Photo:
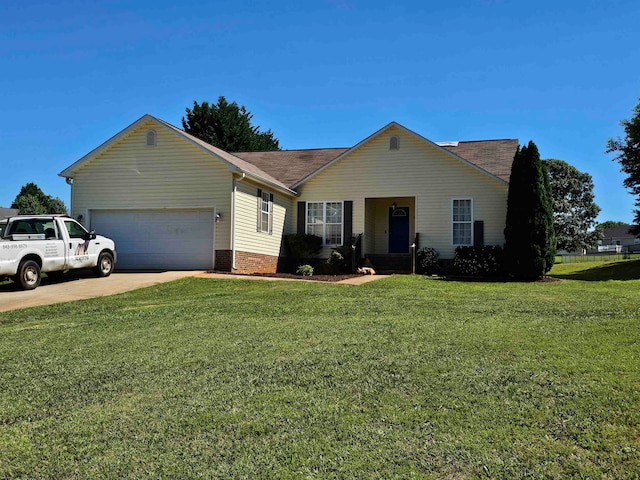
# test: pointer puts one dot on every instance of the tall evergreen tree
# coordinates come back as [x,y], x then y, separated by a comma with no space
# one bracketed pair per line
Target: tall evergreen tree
[227,126]
[529,235]
[629,159]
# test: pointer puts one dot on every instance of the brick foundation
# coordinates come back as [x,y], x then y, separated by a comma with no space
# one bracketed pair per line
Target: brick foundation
[255,263]
[246,262]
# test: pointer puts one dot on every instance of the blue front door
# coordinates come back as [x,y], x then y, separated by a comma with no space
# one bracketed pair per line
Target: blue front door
[399,230]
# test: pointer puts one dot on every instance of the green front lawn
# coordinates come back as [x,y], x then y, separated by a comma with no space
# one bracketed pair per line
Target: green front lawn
[405,377]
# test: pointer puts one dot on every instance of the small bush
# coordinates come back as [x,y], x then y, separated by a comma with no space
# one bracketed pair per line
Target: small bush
[301,245]
[335,262]
[428,261]
[339,260]
[480,261]
[305,270]
[301,249]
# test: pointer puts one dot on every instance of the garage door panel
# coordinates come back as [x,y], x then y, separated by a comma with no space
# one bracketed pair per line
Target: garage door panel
[153,239]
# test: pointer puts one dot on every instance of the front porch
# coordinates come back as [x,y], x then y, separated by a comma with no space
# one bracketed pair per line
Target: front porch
[389,238]
[389,263]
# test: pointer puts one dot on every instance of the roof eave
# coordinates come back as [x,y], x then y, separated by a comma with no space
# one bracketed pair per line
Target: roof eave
[265,181]
[232,168]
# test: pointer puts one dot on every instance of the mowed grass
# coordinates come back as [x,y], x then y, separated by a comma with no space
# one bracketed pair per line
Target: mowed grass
[405,377]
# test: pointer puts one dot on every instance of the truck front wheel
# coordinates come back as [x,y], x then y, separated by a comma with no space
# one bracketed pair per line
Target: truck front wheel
[105,265]
[28,276]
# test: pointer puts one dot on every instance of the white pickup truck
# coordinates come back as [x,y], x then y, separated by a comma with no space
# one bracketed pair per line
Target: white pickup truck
[30,244]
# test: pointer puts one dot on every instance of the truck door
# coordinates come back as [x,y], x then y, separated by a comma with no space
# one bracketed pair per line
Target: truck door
[53,251]
[77,246]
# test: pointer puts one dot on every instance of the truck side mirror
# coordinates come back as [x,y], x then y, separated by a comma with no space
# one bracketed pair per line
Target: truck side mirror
[91,235]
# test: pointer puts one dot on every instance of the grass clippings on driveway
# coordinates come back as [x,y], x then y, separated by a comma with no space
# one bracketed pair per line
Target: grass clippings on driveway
[405,377]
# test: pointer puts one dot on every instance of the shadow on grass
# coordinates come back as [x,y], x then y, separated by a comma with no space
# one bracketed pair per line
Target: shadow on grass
[626,270]
[496,279]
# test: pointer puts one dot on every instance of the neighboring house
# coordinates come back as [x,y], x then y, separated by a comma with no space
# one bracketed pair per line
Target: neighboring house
[619,239]
[8,212]
[172,201]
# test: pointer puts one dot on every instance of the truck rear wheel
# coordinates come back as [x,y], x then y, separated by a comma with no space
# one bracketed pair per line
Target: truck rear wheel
[105,265]
[28,276]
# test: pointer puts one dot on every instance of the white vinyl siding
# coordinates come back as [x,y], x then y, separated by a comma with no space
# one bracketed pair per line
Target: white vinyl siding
[325,220]
[247,239]
[462,222]
[174,175]
[418,170]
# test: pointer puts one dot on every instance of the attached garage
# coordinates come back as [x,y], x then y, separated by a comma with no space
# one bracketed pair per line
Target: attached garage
[159,239]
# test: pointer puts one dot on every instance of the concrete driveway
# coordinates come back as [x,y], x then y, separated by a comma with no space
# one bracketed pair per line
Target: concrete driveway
[79,287]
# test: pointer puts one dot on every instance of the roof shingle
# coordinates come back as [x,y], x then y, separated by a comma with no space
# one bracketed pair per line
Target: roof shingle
[291,166]
[494,156]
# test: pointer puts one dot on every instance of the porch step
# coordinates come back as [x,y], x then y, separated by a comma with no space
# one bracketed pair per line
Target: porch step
[391,263]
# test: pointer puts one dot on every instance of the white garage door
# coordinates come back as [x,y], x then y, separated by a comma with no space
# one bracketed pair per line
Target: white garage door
[159,239]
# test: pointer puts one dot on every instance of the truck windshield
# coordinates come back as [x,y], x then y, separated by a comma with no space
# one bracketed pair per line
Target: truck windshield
[3,225]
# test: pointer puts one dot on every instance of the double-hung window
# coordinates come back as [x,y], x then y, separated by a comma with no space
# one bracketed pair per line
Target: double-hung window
[265,211]
[324,219]
[462,221]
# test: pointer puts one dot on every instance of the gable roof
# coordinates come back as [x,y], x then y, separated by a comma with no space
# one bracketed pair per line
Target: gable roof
[498,168]
[235,164]
[618,232]
[287,169]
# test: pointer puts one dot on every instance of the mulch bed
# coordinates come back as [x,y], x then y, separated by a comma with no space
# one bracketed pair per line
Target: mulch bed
[317,278]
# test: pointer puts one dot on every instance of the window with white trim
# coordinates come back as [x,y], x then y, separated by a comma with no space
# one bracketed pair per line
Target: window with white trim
[265,211]
[462,221]
[324,219]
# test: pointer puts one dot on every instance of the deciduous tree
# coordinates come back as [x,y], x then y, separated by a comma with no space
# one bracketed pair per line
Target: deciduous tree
[574,208]
[611,224]
[33,201]
[227,126]
[628,155]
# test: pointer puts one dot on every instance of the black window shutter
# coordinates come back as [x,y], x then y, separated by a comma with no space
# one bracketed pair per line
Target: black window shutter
[348,222]
[270,213]
[302,217]
[259,215]
[478,233]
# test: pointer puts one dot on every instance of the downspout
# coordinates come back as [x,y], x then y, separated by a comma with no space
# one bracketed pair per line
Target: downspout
[69,181]
[233,220]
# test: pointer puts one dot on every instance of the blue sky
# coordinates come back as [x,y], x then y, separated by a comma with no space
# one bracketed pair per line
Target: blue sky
[320,74]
